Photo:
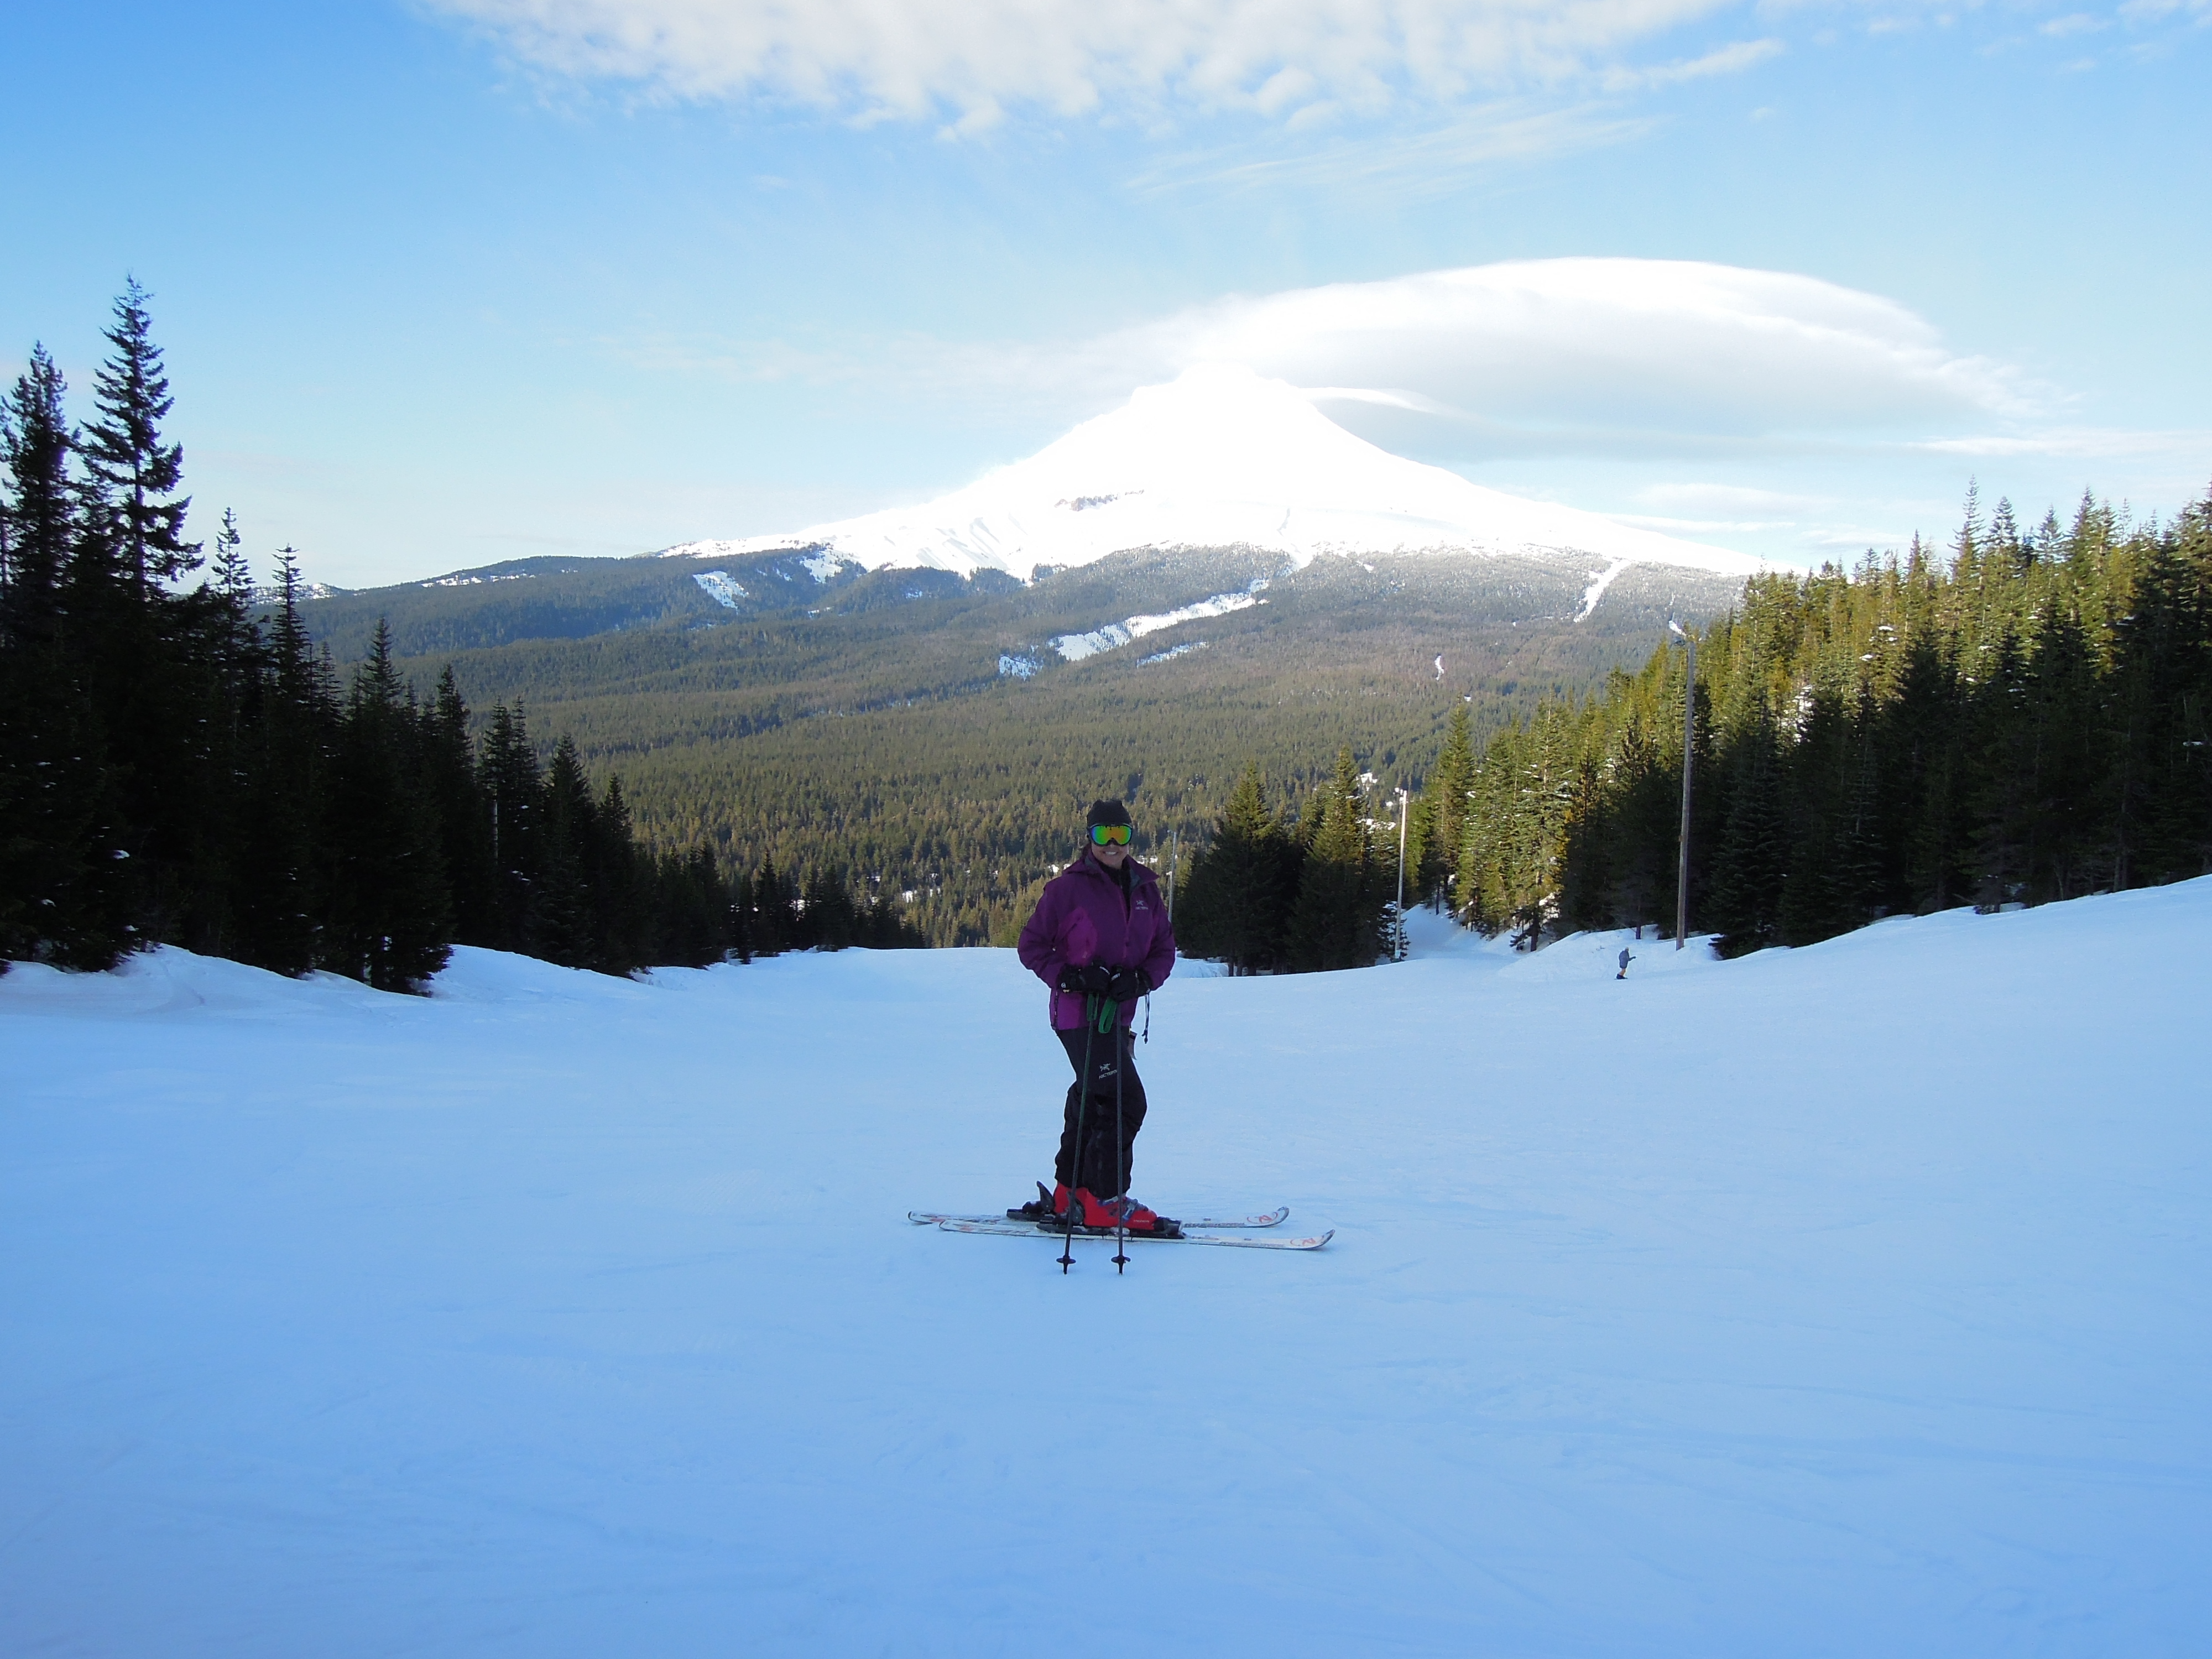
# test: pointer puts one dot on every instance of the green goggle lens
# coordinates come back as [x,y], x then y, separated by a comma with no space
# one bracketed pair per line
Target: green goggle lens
[1109,834]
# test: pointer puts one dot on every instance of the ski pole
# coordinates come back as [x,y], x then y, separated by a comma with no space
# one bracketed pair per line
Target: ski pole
[1123,1053]
[1075,1159]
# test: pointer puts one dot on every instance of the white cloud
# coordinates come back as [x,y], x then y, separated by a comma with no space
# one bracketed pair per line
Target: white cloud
[918,58]
[1728,60]
[1399,167]
[2084,443]
[1602,345]
[1588,356]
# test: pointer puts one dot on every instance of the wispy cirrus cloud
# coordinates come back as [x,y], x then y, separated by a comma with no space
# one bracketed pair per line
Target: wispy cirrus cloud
[1397,165]
[922,59]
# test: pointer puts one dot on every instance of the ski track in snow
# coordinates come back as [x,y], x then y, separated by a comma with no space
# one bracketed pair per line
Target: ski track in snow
[1851,1300]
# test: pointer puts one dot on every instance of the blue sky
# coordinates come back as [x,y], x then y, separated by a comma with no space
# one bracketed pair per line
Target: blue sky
[444,283]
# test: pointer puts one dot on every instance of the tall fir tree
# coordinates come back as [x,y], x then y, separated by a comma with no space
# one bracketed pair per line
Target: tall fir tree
[1445,802]
[389,923]
[1338,920]
[138,471]
[1235,903]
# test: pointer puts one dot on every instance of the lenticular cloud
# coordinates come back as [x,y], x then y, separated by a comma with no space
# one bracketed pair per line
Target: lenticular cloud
[1597,342]
[916,57]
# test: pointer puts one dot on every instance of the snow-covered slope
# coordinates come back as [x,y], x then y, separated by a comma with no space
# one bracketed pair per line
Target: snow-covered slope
[1220,458]
[1847,1301]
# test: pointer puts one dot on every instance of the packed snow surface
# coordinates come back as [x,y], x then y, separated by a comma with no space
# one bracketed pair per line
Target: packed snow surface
[1220,458]
[1845,1301]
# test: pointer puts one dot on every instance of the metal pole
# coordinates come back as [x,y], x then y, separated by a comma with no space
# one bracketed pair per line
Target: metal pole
[1175,858]
[1399,954]
[1689,755]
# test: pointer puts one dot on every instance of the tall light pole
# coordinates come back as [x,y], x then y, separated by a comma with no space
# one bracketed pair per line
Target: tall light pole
[1399,954]
[1689,750]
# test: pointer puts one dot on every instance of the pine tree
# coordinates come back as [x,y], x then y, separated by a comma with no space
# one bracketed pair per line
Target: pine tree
[1745,908]
[388,922]
[565,902]
[125,452]
[285,756]
[464,815]
[65,896]
[1337,920]
[508,771]
[1235,904]
[1446,800]
[38,519]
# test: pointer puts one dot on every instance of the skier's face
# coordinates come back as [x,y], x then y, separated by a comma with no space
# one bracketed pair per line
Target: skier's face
[1109,853]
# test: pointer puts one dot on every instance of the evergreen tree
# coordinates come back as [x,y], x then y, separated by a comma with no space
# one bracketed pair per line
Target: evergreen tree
[1338,921]
[64,892]
[389,922]
[285,757]
[463,813]
[137,472]
[1745,908]
[38,519]
[1446,799]
[775,912]
[512,785]
[563,931]
[1235,905]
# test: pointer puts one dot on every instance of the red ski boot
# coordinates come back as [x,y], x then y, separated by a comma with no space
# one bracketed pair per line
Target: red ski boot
[1107,1214]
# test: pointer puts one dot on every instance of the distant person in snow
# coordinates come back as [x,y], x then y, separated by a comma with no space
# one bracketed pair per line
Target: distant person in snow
[1624,960]
[1100,939]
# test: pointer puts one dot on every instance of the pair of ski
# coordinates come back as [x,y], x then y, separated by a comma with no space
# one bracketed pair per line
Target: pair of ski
[1223,1233]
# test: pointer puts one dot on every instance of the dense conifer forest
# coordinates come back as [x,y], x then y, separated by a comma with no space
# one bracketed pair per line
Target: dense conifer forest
[864,723]
[2022,717]
[178,763]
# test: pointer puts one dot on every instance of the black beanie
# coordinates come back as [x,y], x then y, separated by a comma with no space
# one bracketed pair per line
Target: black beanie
[1106,811]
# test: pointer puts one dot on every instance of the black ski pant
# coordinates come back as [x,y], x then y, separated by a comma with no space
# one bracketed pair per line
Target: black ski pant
[1113,1064]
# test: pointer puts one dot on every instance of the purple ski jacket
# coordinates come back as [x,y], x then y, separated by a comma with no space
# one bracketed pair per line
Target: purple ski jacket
[1081,918]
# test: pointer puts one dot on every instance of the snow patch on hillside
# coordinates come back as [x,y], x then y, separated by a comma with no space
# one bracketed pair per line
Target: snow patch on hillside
[1111,636]
[1173,651]
[720,588]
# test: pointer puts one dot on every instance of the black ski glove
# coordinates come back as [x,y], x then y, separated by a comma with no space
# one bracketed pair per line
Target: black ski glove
[1090,980]
[1126,986]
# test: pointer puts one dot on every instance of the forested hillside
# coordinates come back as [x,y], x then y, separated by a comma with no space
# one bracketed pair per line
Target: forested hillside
[914,733]
[2026,716]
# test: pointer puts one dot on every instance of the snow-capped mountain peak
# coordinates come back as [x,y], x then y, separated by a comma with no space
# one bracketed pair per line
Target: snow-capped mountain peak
[1219,457]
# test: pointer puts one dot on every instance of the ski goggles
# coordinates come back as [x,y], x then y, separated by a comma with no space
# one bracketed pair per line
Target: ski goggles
[1109,834]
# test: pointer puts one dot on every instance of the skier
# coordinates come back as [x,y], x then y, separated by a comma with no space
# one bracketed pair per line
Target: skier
[1100,939]
[1624,960]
